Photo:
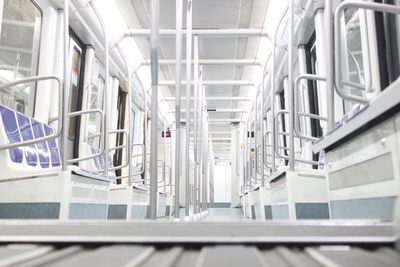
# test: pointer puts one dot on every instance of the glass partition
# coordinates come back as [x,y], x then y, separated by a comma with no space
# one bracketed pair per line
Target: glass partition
[19,44]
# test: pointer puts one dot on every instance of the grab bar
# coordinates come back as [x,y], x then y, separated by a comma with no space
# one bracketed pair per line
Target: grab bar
[84,112]
[141,171]
[297,114]
[282,112]
[138,155]
[125,132]
[60,110]
[392,9]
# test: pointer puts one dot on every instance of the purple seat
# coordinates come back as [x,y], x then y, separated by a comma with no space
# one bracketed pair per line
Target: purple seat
[110,162]
[42,148]
[52,144]
[11,129]
[27,135]
[96,159]
[102,162]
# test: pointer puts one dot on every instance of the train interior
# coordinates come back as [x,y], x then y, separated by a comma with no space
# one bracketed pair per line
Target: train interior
[200,133]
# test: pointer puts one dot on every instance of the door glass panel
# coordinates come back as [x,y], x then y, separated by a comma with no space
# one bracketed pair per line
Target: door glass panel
[74,89]
[96,102]
[19,42]
[352,58]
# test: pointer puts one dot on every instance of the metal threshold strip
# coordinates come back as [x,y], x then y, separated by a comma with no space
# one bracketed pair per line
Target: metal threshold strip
[152,232]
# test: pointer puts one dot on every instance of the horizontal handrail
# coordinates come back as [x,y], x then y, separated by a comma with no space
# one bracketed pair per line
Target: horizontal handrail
[126,163]
[101,151]
[297,114]
[93,136]
[141,171]
[60,110]
[277,147]
[386,8]
[162,165]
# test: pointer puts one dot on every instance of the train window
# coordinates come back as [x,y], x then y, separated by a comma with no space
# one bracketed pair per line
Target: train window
[313,98]
[121,106]
[76,62]
[19,46]
[282,120]
[354,50]
[355,64]
[96,102]
[388,45]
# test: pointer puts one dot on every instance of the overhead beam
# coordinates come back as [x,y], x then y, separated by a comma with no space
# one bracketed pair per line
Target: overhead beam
[235,32]
[219,110]
[217,138]
[216,132]
[242,62]
[211,83]
[222,120]
[220,132]
[213,98]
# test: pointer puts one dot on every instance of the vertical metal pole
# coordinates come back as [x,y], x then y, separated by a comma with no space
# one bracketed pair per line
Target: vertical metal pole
[273,74]
[212,164]
[106,87]
[188,95]
[273,97]
[154,107]
[255,140]
[204,148]
[196,89]
[65,120]
[130,135]
[329,64]
[171,158]
[290,84]
[200,139]
[165,154]
[145,133]
[178,52]
[262,130]
[248,134]
[106,100]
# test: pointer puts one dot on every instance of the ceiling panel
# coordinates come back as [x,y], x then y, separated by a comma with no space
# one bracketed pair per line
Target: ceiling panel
[207,14]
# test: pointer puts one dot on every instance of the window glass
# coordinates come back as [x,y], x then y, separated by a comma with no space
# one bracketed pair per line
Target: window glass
[355,64]
[19,42]
[96,102]
[387,26]
[352,55]
[313,91]
[74,89]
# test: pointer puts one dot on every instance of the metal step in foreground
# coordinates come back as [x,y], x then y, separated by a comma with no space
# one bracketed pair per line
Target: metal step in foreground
[147,243]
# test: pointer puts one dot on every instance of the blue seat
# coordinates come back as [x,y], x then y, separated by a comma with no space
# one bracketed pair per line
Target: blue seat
[53,147]
[19,127]
[12,132]
[96,159]
[27,135]
[43,150]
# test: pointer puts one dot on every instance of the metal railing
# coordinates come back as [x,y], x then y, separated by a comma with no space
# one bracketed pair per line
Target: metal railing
[102,148]
[277,147]
[386,8]
[162,166]
[58,133]
[297,114]
[120,147]
[132,156]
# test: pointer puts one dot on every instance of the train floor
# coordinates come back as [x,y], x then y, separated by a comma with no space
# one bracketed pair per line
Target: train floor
[203,244]
[214,215]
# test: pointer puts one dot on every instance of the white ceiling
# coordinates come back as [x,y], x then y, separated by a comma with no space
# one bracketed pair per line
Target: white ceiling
[207,14]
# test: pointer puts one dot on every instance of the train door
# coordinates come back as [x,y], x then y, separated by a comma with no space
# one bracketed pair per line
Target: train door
[121,107]
[90,128]
[76,52]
